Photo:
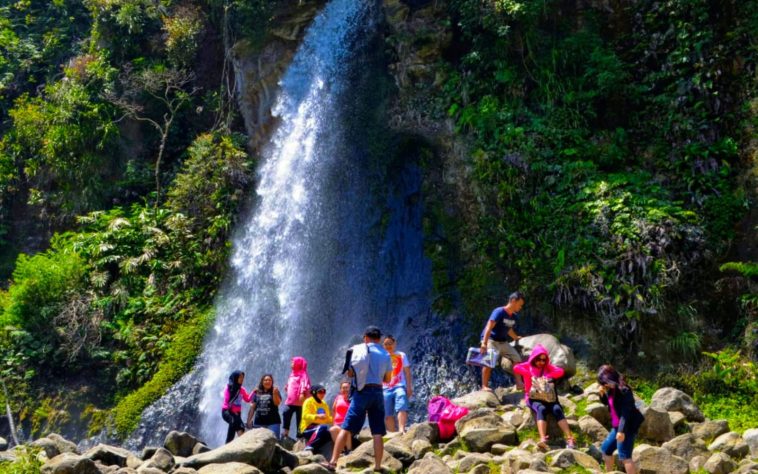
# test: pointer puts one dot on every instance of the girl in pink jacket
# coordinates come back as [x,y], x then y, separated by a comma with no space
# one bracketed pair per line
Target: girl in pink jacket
[298,388]
[537,366]
[231,409]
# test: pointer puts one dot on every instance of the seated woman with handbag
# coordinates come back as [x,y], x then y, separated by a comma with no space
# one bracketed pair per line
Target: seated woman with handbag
[539,391]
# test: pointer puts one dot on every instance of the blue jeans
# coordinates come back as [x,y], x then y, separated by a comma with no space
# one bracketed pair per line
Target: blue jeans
[369,401]
[395,400]
[274,428]
[625,448]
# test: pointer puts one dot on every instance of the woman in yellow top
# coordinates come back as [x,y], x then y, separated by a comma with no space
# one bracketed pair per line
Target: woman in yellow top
[315,425]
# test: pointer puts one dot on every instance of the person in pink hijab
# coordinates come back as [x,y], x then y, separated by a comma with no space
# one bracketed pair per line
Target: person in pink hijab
[298,388]
[538,366]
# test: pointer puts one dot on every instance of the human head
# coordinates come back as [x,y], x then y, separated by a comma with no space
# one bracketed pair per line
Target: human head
[267,383]
[237,378]
[539,356]
[299,364]
[372,333]
[389,343]
[345,388]
[516,301]
[607,376]
[318,392]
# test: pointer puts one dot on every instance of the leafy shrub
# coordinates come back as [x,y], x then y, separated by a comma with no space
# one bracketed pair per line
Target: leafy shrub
[183,30]
[27,462]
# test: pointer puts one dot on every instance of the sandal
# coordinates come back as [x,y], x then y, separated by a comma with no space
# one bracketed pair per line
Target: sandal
[328,466]
[571,443]
[543,444]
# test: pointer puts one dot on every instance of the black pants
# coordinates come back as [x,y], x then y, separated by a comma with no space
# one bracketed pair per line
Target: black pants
[290,410]
[235,423]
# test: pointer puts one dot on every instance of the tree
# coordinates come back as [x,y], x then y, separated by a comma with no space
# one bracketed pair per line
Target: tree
[169,88]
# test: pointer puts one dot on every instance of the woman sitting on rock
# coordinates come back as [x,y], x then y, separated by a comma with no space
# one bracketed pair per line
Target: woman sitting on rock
[539,391]
[315,426]
[340,406]
[625,418]
[231,410]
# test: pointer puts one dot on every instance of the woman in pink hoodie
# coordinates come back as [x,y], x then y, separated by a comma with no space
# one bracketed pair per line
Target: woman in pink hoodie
[538,366]
[298,388]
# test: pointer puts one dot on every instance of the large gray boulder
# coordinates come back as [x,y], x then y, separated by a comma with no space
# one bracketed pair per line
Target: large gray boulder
[229,468]
[422,431]
[180,443]
[751,439]
[730,443]
[566,458]
[255,447]
[652,460]
[657,425]
[720,463]
[55,444]
[429,464]
[162,460]
[560,354]
[311,469]
[3,444]
[400,450]
[472,460]
[111,455]
[480,429]
[671,399]
[593,429]
[600,412]
[363,457]
[478,399]
[710,429]
[69,463]
[686,446]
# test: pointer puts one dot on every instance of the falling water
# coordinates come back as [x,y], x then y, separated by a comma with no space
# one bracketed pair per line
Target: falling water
[326,248]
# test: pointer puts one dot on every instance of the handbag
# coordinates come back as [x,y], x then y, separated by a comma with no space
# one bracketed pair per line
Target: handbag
[543,389]
[481,359]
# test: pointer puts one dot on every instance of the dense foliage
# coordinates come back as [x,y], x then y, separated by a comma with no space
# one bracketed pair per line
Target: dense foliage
[605,158]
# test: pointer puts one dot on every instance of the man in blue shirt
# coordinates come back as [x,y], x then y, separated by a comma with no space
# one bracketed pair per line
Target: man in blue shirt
[495,336]
[369,400]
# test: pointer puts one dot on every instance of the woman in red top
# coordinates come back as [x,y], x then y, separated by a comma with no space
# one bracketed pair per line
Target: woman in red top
[339,408]
[539,365]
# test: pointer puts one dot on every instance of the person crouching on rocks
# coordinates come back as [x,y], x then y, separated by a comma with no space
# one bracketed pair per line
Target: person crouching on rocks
[231,410]
[625,418]
[539,392]
[315,425]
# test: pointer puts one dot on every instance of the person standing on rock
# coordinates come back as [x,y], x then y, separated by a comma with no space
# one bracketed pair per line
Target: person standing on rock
[370,365]
[495,335]
[398,390]
[231,410]
[298,387]
[626,419]
[539,367]
[264,409]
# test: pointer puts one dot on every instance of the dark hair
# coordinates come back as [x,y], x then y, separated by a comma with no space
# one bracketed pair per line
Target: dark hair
[607,375]
[390,337]
[515,296]
[373,333]
[260,384]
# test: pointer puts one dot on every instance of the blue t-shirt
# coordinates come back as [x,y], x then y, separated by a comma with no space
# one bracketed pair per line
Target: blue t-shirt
[379,363]
[503,322]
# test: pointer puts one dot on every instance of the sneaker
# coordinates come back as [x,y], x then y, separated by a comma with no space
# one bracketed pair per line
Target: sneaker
[543,444]
[571,444]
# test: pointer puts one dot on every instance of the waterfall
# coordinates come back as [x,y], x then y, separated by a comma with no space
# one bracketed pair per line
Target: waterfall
[326,249]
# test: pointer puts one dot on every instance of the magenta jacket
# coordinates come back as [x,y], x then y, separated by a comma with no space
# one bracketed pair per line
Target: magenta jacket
[298,383]
[528,369]
[236,405]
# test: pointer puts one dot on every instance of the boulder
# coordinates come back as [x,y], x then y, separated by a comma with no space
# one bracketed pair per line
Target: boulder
[499,449]
[420,447]
[184,470]
[422,431]
[678,419]
[710,429]
[671,399]
[592,428]
[566,458]
[254,447]
[652,460]
[751,439]
[69,463]
[720,463]
[480,469]
[560,354]
[55,444]
[429,464]
[162,460]
[482,428]
[697,463]
[478,399]
[747,466]
[145,469]
[199,448]
[148,451]
[180,443]
[110,455]
[400,450]
[686,446]
[283,458]
[229,468]
[657,425]
[599,411]
[518,459]
[313,468]
[363,457]
[472,460]
[730,443]
[3,444]
[515,418]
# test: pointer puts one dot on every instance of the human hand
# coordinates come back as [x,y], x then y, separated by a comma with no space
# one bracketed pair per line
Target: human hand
[409,392]
[249,425]
[620,437]
[483,348]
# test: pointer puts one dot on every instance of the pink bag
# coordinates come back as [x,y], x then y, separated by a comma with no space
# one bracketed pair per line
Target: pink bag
[436,406]
[450,415]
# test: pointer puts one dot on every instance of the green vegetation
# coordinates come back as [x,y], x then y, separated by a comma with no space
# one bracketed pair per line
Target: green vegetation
[26,463]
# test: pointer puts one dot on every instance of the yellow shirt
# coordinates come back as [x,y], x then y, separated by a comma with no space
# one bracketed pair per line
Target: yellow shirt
[311,408]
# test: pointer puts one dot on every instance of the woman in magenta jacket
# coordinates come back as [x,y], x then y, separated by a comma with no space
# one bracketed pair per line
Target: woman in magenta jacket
[539,365]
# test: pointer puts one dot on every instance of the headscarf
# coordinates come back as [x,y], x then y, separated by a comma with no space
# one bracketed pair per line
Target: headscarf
[299,379]
[314,392]
[234,386]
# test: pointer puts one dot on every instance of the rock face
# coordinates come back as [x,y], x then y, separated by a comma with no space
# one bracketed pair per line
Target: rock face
[255,447]
[671,399]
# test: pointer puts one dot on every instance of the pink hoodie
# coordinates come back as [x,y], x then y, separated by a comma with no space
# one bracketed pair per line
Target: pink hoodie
[299,383]
[528,369]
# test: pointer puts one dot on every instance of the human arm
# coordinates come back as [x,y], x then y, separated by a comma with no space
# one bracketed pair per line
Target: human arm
[408,381]
[626,408]
[277,396]
[225,405]
[513,334]
[309,412]
[486,337]
[248,397]
[250,414]
[554,372]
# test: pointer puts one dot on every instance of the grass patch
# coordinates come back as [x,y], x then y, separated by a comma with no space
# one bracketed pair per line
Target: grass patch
[180,356]
[26,463]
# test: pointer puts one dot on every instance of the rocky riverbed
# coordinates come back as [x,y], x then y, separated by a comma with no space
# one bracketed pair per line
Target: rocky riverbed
[497,436]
